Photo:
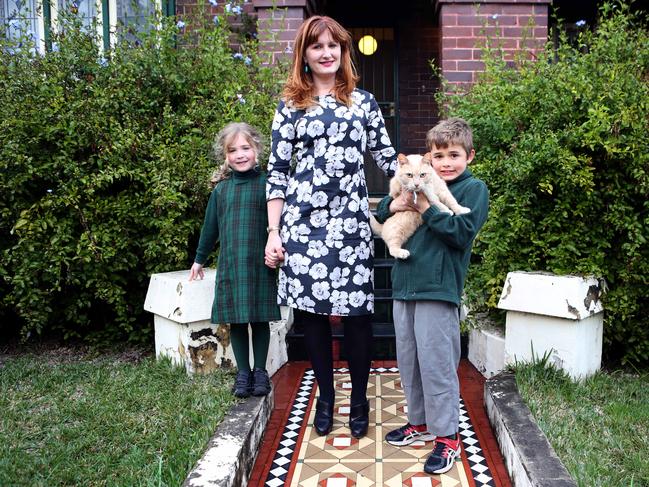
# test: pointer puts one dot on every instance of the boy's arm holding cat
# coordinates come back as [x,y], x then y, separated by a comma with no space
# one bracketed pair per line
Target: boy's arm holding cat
[388,206]
[458,230]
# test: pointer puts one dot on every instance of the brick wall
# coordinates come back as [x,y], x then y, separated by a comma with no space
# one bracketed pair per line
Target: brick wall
[465,25]
[418,44]
[276,28]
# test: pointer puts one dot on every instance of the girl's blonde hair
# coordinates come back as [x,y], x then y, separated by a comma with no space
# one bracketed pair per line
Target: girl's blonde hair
[299,86]
[224,138]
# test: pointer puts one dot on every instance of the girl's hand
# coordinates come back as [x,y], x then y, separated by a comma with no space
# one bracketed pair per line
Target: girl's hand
[274,252]
[196,272]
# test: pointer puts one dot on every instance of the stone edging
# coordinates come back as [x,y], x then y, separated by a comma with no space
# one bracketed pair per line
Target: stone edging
[529,457]
[231,452]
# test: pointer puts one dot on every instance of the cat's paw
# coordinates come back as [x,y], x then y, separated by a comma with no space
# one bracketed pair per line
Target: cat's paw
[463,210]
[400,253]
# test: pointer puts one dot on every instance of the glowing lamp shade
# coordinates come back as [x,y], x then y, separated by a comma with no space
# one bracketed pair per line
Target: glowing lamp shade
[367,45]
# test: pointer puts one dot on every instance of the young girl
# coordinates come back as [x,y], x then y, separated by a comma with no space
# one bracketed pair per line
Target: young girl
[246,289]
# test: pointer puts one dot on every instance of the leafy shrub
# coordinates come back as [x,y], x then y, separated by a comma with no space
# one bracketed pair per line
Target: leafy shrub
[104,164]
[562,144]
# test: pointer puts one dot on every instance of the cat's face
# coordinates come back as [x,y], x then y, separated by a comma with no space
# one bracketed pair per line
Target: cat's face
[414,171]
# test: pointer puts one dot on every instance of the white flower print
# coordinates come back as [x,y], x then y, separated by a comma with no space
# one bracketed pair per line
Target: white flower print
[320,290]
[347,255]
[350,226]
[363,251]
[320,178]
[287,131]
[300,128]
[299,264]
[277,120]
[318,271]
[337,205]
[352,154]
[295,288]
[356,132]
[362,274]
[357,298]
[319,147]
[340,300]
[305,303]
[291,214]
[335,168]
[318,219]
[339,277]
[343,112]
[365,230]
[336,132]
[354,204]
[304,192]
[315,128]
[319,199]
[284,150]
[300,233]
[317,249]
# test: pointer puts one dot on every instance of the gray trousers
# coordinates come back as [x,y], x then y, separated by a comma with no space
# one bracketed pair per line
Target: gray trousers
[428,354]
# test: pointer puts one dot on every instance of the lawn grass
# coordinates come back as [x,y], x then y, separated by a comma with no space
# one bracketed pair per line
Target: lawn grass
[105,421]
[599,427]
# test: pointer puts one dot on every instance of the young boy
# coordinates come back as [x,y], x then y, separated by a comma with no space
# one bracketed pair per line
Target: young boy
[427,288]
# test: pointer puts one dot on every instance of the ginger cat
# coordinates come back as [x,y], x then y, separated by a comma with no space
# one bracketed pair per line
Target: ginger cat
[415,173]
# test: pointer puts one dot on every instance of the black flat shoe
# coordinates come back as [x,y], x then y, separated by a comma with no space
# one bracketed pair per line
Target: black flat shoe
[359,419]
[324,417]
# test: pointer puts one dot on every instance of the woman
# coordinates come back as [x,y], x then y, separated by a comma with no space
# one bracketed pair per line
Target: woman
[316,184]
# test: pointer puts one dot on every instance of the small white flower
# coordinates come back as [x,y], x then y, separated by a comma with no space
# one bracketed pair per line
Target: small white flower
[180,24]
[320,290]
[318,271]
[580,23]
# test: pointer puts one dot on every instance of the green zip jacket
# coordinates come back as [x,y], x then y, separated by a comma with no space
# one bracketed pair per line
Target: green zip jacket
[440,249]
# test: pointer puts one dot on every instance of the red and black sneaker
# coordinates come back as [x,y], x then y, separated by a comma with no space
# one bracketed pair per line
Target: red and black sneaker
[408,433]
[445,451]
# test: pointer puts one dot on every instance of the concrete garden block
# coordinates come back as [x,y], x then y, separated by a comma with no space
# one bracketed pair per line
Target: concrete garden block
[487,350]
[557,315]
[183,332]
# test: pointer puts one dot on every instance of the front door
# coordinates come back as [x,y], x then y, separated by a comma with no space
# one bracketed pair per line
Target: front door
[377,67]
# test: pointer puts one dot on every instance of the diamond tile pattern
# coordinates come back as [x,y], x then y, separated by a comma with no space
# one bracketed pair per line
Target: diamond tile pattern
[305,459]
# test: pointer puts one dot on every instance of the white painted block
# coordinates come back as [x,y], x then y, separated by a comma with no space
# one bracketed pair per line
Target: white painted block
[559,316]
[487,350]
[570,297]
[573,345]
[183,331]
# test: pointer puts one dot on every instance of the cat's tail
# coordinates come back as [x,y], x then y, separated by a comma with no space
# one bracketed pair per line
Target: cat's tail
[376,226]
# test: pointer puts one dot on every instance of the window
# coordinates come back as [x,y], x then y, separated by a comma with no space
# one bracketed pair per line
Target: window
[31,18]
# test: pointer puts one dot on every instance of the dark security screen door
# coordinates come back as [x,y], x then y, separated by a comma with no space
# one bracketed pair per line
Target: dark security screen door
[378,73]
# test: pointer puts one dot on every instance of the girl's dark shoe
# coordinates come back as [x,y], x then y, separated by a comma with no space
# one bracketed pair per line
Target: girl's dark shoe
[359,419]
[324,417]
[260,382]
[243,384]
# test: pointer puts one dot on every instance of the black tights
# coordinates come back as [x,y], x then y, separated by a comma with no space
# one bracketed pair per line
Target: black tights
[358,349]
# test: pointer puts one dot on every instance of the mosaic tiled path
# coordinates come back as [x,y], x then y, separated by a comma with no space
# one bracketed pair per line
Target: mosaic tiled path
[292,453]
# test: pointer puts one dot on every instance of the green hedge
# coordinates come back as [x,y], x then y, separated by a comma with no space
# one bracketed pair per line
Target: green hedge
[562,144]
[104,167]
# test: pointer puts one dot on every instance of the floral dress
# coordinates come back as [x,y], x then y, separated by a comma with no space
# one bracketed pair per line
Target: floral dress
[316,167]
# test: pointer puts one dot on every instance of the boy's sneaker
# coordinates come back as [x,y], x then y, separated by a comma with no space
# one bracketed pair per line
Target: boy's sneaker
[243,384]
[445,451]
[408,433]
[260,382]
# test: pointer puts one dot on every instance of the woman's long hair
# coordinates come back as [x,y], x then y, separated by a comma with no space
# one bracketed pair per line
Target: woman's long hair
[225,138]
[299,86]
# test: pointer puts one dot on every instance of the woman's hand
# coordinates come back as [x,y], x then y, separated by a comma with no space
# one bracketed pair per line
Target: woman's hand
[274,252]
[196,272]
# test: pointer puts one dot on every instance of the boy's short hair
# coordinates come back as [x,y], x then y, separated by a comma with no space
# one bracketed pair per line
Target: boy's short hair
[450,131]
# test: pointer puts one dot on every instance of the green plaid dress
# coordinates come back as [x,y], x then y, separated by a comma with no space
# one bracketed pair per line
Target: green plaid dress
[236,215]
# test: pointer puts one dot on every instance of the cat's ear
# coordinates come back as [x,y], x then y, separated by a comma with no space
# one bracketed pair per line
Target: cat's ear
[402,159]
[427,159]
